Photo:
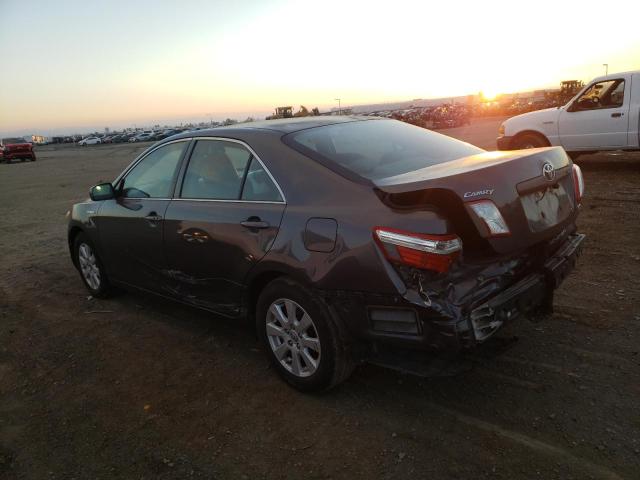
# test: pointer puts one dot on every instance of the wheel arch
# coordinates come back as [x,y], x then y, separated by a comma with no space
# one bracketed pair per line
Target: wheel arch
[536,133]
[260,279]
[74,231]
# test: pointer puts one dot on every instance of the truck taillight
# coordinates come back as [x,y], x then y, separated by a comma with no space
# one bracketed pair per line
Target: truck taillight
[429,252]
[578,183]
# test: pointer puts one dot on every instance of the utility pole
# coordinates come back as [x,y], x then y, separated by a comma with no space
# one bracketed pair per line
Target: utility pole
[606,68]
[339,106]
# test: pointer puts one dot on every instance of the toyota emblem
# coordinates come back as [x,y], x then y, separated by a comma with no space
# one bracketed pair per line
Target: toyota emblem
[548,171]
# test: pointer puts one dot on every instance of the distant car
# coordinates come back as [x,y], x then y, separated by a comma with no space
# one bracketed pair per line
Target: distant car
[344,238]
[142,137]
[89,141]
[119,138]
[16,149]
[165,134]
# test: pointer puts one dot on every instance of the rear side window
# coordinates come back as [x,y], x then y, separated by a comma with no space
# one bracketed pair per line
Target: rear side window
[376,149]
[215,171]
[9,141]
[153,176]
[258,185]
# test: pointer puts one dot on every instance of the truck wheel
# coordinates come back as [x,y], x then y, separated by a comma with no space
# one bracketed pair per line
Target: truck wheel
[305,344]
[529,140]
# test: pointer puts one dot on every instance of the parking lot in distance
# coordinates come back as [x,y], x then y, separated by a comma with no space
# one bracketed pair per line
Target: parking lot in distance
[138,387]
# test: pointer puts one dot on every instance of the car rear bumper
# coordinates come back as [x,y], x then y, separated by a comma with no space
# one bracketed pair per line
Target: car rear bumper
[531,296]
[17,155]
[444,324]
[504,143]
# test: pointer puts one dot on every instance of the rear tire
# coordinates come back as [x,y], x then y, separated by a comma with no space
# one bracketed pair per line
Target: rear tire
[305,343]
[529,140]
[92,271]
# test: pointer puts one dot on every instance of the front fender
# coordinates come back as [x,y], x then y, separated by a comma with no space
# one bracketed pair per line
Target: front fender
[543,122]
[81,219]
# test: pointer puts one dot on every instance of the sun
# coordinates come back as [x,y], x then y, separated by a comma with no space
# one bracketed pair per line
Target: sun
[488,95]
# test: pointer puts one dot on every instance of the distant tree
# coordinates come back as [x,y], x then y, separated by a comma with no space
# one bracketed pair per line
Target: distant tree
[248,119]
[229,121]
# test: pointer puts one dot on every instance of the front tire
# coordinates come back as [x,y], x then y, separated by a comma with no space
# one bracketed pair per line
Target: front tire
[90,266]
[529,140]
[304,342]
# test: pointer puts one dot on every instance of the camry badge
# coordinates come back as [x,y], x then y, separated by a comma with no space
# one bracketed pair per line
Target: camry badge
[479,192]
[548,172]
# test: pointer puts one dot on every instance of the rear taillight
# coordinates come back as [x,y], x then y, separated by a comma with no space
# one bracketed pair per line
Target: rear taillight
[487,211]
[430,252]
[578,183]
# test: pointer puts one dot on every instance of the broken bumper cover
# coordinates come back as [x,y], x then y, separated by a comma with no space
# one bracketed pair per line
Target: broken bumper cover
[462,318]
[532,296]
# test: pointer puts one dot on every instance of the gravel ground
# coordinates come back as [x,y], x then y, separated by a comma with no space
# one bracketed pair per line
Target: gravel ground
[137,387]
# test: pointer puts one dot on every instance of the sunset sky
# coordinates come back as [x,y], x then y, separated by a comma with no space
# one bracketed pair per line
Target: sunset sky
[73,65]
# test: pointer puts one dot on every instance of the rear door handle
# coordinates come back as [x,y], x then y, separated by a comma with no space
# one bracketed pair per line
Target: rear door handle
[616,115]
[254,222]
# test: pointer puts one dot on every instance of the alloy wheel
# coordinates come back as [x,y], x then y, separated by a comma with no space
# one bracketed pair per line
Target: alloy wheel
[89,266]
[293,337]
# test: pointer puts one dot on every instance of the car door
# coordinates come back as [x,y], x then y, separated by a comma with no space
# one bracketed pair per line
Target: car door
[598,118]
[224,220]
[130,226]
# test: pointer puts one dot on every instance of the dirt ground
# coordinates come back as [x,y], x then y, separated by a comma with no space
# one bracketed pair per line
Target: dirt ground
[137,387]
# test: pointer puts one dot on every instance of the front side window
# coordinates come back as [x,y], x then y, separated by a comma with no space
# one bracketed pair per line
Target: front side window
[607,94]
[216,170]
[153,176]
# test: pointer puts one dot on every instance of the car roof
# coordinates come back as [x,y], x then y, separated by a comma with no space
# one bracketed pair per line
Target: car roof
[281,126]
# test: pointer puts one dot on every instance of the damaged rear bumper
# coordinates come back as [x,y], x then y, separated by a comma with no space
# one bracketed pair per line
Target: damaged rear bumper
[532,296]
[461,314]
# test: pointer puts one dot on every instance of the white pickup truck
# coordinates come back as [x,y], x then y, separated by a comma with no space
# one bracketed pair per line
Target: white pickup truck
[605,115]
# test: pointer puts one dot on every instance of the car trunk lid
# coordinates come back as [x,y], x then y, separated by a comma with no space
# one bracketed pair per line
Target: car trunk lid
[533,189]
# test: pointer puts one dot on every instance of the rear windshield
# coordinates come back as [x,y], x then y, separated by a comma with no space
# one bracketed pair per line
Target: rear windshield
[9,141]
[376,149]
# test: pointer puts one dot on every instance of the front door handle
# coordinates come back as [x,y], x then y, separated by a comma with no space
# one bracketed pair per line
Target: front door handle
[616,115]
[254,222]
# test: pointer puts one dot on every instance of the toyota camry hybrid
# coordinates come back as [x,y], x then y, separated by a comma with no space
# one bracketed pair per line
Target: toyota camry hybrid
[342,237]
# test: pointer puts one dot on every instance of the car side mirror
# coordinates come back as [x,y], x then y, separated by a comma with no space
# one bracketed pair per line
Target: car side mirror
[102,191]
